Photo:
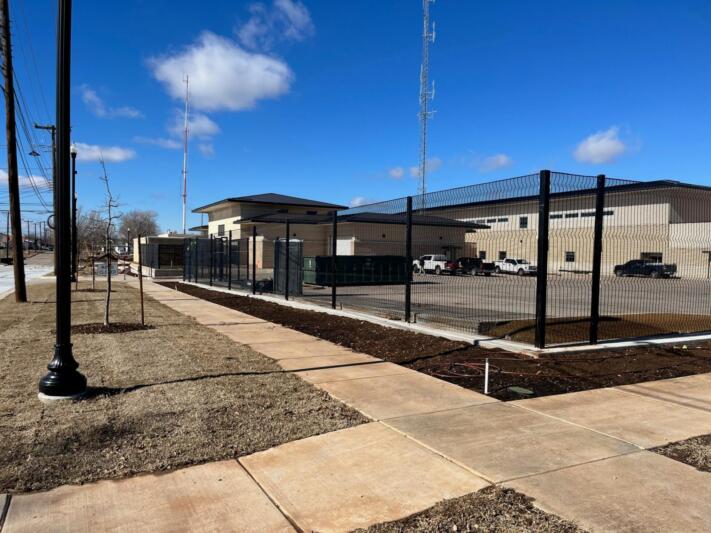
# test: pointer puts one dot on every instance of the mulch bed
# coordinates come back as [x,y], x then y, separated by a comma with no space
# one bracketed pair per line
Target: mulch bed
[695,452]
[570,330]
[492,509]
[463,364]
[118,327]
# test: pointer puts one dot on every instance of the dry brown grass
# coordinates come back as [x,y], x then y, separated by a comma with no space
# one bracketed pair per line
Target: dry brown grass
[492,509]
[161,398]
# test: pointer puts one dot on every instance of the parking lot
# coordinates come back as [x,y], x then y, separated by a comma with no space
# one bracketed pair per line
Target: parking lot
[463,302]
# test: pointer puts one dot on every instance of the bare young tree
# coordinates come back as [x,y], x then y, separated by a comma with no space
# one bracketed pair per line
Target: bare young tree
[110,214]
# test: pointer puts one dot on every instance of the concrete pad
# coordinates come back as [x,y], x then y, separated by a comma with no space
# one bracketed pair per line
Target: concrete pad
[356,477]
[641,420]
[638,492]
[692,391]
[400,394]
[298,349]
[212,497]
[352,372]
[502,442]
[265,332]
[325,361]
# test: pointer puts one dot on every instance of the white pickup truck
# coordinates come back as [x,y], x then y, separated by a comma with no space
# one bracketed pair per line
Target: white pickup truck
[432,264]
[520,267]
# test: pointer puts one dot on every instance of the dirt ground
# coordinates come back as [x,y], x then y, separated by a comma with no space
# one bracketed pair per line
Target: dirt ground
[570,330]
[161,398]
[491,510]
[463,364]
[695,452]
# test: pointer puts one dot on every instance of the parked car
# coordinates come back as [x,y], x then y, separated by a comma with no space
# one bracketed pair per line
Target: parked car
[520,267]
[433,264]
[473,266]
[645,268]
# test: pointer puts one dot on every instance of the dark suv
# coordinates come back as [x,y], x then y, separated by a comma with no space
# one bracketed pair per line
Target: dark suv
[474,266]
[645,268]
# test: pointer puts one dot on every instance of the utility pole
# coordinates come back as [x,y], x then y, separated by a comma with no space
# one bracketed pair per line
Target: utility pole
[13,181]
[7,235]
[425,96]
[63,380]
[185,156]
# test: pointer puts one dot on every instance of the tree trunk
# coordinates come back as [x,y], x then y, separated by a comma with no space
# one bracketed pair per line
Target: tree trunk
[108,284]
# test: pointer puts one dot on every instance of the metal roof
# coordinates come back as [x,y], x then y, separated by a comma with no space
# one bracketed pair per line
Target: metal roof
[272,198]
[363,218]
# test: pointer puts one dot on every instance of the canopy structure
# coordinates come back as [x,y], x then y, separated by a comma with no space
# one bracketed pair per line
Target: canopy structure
[364,218]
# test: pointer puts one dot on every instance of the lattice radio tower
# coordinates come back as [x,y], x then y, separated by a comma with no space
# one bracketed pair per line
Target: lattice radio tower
[185,155]
[425,96]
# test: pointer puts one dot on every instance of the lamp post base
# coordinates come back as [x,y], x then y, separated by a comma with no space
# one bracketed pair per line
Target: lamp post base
[63,381]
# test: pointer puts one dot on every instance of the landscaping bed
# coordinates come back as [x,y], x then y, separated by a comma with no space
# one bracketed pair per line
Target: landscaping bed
[512,376]
[695,452]
[162,398]
[493,510]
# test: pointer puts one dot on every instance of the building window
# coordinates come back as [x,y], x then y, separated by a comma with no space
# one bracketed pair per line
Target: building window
[312,212]
[587,214]
[504,219]
[482,255]
[572,215]
[654,257]
[490,220]
[570,257]
[502,255]
[608,213]
[480,221]
[221,230]
[523,222]
[556,216]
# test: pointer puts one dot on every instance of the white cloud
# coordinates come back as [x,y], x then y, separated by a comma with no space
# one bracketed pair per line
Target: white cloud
[223,76]
[111,154]
[206,149]
[601,147]
[97,106]
[396,173]
[432,165]
[199,125]
[358,201]
[286,20]
[170,144]
[494,162]
[24,181]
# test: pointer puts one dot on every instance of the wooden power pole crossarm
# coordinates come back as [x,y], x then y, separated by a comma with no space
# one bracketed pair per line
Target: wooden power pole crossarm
[12,175]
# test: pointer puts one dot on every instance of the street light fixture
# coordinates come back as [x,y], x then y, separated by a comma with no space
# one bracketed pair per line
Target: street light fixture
[63,380]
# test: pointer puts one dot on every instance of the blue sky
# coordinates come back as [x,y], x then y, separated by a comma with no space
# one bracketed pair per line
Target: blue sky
[319,98]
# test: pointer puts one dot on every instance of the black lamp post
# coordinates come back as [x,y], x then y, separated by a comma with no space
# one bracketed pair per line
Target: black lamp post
[128,241]
[63,380]
[73,153]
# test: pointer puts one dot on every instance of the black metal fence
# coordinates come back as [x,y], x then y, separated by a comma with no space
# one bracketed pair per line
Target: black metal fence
[547,258]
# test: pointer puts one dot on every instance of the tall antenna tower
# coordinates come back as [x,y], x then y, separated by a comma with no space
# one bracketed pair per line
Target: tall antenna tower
[425,96]
[185,155]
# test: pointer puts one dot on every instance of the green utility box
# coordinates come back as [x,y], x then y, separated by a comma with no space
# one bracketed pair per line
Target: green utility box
[356,270]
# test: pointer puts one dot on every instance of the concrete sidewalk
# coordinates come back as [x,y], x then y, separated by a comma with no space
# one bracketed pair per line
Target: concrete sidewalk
[582,455]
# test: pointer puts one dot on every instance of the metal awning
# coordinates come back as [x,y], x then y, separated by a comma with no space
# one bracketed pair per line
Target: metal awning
[363,218]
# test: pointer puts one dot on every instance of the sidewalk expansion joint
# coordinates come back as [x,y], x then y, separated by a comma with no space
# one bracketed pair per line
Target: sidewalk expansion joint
[530,410]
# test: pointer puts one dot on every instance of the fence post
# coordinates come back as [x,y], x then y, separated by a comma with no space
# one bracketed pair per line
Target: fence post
[544,199]
[229,261]
[334,254]
[286,263]
[597,260]
[408,261]
[196,264]
[185,257]
[140,278]
[254,259]
[212,256]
